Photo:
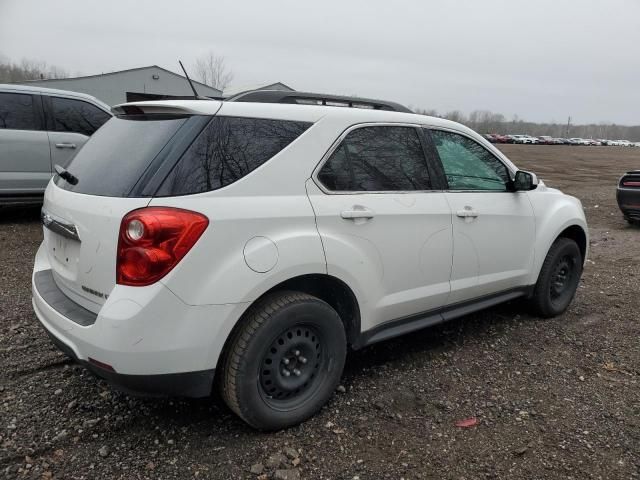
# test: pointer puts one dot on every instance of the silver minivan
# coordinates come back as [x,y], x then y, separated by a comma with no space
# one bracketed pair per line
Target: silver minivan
[41,128]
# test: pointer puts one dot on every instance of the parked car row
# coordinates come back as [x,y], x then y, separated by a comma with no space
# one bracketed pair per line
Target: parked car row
[548,140]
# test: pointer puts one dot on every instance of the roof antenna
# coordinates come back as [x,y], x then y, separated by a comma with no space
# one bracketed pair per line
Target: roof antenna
[195,93]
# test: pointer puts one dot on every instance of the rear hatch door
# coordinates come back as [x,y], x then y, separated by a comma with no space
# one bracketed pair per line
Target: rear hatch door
[81,239]
[82,220]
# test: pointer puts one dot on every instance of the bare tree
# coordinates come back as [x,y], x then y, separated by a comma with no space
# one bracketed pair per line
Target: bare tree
[212,70]
[28,70]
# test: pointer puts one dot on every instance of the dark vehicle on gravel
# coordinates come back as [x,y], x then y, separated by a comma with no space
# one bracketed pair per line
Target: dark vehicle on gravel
[628,195]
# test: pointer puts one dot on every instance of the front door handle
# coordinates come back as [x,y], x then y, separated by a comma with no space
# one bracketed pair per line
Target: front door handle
[467,212]
[66,145]
[357,212]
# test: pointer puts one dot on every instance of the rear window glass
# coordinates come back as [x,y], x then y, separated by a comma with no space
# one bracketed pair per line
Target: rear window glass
[228,149]
[17,112]
[117,155]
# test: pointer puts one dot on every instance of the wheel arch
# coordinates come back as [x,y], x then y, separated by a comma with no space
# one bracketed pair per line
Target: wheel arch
[575,231]
[557,216]
[326,287]
[578,235]
[329,289]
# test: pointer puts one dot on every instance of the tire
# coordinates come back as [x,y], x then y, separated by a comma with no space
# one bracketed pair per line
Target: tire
[558,279]
[292,327]
[633,222]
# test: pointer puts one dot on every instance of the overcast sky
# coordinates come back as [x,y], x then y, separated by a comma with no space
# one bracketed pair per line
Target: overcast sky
[542,60]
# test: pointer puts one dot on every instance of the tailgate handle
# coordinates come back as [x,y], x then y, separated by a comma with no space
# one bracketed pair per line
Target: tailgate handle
[66,145]
[60,227]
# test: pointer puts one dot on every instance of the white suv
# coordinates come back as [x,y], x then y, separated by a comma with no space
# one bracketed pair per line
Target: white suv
[249,244]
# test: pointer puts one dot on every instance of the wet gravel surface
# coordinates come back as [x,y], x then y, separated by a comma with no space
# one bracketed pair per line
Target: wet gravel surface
[552,399]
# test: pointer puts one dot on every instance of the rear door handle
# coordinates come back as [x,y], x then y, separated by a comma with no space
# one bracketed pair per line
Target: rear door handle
[467,212]
[65,145]
[357,212]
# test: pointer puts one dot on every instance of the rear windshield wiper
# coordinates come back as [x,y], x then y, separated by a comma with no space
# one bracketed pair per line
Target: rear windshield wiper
[66,175]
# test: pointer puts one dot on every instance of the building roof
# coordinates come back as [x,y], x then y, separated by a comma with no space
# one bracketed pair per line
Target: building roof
[149,67]
[231,91]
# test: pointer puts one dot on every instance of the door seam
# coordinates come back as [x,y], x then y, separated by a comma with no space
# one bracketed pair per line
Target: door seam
[315,221]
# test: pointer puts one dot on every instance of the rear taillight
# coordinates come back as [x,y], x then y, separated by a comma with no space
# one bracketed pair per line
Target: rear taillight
[631,183]
[153,240]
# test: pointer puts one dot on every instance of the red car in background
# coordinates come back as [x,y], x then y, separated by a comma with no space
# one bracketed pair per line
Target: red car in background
[498,138]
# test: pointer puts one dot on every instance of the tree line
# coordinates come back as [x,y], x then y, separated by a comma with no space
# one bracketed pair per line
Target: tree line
[29,70]
[484,121]
[209,69]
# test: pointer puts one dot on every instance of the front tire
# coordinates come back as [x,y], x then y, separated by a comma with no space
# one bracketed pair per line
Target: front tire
[558,279]
[284,360]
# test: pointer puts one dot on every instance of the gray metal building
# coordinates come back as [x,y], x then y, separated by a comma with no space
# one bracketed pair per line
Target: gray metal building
[115,87]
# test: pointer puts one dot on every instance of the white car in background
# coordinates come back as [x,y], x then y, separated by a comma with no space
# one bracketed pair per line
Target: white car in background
[579,141]
[248,244]
[523,139]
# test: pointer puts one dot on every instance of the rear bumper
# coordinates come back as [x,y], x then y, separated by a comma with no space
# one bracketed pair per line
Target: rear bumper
[629,202]
[154,343]
[186,384]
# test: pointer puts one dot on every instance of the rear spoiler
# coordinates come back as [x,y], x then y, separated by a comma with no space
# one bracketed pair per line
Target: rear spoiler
[167,107]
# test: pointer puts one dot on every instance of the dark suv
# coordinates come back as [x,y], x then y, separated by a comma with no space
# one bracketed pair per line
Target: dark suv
[628,195]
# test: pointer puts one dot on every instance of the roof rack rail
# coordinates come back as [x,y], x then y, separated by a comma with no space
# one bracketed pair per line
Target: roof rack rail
[308,98]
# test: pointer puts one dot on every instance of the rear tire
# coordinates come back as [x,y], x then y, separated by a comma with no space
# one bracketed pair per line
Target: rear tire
[558,279]
[284,360]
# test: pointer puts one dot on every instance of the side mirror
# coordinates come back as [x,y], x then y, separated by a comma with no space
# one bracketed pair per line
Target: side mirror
[525,181]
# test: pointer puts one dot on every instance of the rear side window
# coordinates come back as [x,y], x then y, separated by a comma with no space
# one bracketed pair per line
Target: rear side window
[17,112]
[377,159]
[77,116]
[228,149]
[114,159]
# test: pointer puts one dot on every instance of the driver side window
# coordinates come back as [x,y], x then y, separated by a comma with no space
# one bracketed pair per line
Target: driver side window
[468,165]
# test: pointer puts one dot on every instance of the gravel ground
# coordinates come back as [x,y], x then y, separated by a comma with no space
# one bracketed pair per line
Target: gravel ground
[554,398]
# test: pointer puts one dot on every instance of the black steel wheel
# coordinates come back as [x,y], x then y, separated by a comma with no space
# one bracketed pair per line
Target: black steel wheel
[558,279]
[291,366]
[284,360]
[562,279]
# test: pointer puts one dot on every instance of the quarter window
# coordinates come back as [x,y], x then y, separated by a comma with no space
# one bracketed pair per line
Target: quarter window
[383,158]
[468,165]
[71,115]
[228,149]
[17,112]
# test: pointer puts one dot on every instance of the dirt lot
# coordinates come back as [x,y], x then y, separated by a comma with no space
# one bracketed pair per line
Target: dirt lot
[555,398]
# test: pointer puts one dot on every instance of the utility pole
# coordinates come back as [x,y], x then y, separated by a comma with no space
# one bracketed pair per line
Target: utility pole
[568,126]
